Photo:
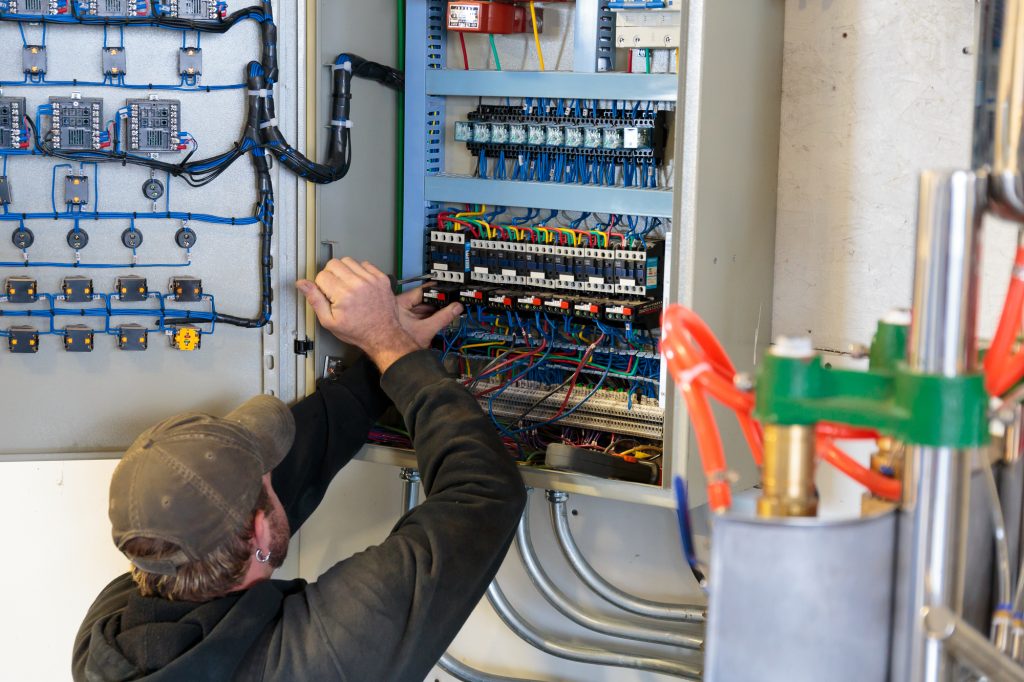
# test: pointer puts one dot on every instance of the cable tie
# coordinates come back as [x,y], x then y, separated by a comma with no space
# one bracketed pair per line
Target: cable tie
[262,92]
[272,123]
[344,123]
[344,66]
[687,377]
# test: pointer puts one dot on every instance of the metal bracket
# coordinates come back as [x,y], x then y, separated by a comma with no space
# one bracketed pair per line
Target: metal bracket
[303,346]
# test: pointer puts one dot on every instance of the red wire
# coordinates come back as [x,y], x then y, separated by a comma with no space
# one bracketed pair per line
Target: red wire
[576,374]
[879,484]
[465,55]
[1003,368]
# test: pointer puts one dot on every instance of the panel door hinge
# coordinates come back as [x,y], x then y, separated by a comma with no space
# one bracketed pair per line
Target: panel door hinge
[303,346]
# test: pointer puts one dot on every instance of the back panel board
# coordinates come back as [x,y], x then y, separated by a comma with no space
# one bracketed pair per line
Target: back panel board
[108,363]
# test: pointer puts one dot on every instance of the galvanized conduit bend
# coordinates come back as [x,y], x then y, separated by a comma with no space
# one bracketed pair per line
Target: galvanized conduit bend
[608,626]
[581,654]
[461,671]
[625,601]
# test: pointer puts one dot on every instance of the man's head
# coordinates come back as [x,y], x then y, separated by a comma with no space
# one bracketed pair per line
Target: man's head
[192,506]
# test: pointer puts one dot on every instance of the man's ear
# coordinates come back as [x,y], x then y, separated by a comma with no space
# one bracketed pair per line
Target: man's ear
[262,534]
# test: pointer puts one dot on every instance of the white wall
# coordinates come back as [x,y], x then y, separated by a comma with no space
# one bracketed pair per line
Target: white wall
[862,115]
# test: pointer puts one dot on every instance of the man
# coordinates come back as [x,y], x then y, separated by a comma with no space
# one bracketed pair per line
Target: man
[204,507]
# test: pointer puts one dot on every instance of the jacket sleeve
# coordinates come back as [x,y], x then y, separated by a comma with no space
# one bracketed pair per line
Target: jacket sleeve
[331,426]
[389,612]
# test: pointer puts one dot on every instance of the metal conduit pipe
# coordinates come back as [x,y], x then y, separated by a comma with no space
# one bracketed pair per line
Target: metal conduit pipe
[607,626]
[448,663]
[461,671]
[627,602]
[581,654]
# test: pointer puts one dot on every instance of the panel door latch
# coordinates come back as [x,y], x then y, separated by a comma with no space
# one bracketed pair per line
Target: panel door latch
[303,346]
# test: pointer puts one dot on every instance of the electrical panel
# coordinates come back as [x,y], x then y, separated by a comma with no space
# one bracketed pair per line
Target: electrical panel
[76,123]
[542,179]
[153,125]
[12,128]
[136,203]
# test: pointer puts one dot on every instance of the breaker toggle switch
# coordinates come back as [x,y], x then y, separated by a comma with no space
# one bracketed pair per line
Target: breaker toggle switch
[186,338]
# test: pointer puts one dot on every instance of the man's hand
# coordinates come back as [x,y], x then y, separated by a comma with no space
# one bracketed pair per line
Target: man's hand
[354,302]
[423,322]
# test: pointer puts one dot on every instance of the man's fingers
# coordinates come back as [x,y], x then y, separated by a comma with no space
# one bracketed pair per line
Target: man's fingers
[373,269]
[357,268]
[317,301]
[442,318]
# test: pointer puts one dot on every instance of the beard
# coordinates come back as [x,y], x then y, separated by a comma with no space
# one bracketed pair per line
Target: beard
[280,537]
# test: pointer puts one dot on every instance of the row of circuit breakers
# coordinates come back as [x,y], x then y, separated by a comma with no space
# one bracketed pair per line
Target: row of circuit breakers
[80,338]
[616,285]
[78,124]
[180,9]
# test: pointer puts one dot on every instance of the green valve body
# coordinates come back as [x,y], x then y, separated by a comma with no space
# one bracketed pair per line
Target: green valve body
[917,409]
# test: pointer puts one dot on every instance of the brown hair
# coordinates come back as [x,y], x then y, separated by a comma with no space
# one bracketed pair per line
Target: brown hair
[208,578]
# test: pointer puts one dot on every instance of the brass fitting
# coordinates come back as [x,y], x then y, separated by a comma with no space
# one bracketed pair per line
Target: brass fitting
[787,473]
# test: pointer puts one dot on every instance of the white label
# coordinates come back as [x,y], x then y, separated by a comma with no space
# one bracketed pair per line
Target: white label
[441,266]
[566,278]
[508,273]
[597,280]
[464,16]
[627,282]
[536,275]
[630,138]
[480,271]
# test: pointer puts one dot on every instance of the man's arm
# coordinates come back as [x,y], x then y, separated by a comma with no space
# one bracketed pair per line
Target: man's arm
[389,612]
[331,426]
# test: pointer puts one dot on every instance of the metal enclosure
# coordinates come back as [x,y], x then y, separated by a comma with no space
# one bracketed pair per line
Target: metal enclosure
[60,405]
[723,204]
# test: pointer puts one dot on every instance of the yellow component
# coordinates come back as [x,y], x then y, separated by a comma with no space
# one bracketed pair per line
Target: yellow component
[124,290]
[31,291]
[124,339]
[31,342]
[14,342]
[142,339]
[186,338]
[34,50]
[11,292]
[88,290]
[76,181]
[88,341]
[70,341]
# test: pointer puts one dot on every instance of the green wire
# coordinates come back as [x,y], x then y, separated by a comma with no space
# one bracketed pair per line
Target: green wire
[648,53]
[494,51]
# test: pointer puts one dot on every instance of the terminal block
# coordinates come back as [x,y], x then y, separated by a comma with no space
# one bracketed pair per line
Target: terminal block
[186,338]
[12,123]
[153,125]
[447,256]
[190,62]
[77,289]
[33,60]
[23,340]
[610,272]
[441,295]
[192,9]
[76,123]
[115,62]
[33,7]
[625,134]
[21,290]
[132,288]
[78,338]
[133,337]
[473,16]
[76,190]
[115,8]
[187,289]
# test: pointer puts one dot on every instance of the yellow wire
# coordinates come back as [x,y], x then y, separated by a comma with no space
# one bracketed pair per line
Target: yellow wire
[536,36]
[465,214]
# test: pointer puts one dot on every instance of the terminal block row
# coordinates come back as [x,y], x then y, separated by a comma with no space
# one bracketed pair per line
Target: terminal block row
[613,272]
[80,338]
[128,288]
[637,313]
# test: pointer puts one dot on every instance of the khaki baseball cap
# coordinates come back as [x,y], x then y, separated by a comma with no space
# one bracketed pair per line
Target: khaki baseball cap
[193,479]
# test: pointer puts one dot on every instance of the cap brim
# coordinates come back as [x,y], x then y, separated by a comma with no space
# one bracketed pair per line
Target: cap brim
[270,420]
